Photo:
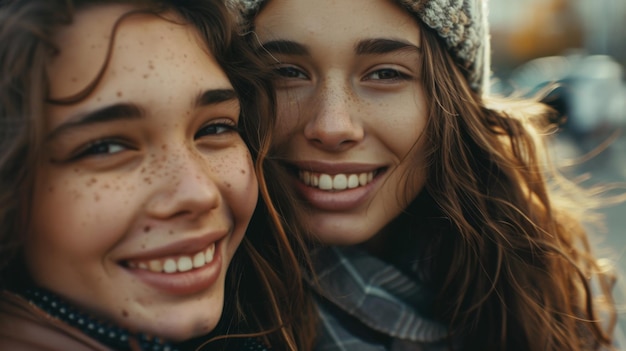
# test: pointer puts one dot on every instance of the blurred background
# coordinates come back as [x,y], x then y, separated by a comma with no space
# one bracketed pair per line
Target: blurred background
[580,44]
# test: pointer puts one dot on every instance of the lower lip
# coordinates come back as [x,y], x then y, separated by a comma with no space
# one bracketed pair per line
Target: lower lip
[183,283]
[342,200]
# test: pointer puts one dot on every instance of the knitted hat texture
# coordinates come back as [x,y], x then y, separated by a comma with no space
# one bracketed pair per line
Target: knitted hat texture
[461,23]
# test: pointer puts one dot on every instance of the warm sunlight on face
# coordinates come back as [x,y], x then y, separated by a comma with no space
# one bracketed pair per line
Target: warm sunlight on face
[352,110]
[146,187]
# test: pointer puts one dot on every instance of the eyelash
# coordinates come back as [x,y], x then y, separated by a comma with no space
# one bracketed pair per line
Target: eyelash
[291,72]
[398,75]
[225,126]
[287,71]
[94,148]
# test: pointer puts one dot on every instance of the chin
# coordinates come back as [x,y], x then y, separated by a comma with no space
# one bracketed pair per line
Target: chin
[180,323]
[342,239]
[342,236]
[178,333]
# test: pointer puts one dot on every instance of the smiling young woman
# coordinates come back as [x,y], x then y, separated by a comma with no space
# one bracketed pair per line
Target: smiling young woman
[429,202]
[132,134]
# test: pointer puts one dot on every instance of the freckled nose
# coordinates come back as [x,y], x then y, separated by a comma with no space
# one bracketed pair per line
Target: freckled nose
[184,186]
[333,125]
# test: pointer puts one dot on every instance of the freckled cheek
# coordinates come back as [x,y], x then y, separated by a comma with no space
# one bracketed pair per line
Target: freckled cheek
[400,131]
[81,207]
[238,181]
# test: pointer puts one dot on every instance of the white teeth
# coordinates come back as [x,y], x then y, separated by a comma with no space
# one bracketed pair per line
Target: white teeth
[339,181]
[208,255]
[315,180]
[155,265]
[353,181]
[198,260]
[306,177]
[362,179]
[169,266]
[326,182]
[182,263]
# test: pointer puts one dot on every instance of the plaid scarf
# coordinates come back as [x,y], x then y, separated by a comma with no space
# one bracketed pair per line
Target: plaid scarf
[366,304]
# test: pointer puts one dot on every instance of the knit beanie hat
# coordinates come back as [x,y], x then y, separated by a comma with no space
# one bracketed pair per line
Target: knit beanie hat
[461,23]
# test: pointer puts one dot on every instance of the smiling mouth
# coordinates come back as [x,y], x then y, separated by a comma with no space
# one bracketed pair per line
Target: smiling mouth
[336,182]
[175,264]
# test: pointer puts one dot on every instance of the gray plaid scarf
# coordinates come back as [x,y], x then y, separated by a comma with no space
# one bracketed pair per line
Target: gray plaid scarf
[367,304]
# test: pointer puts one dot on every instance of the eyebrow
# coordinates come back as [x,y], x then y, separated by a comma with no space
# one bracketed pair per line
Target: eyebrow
[384,46]
[215,96]
[374,46]
[122,111]
[130,111]
[285,47]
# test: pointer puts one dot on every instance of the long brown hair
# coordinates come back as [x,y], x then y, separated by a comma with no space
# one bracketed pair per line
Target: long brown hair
[265,294]
[510,266]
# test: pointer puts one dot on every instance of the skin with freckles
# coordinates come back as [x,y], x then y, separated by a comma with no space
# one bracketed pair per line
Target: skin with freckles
[351,110]
[145,187]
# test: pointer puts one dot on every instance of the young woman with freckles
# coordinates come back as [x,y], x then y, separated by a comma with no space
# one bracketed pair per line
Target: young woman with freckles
[436,221]
[131,137]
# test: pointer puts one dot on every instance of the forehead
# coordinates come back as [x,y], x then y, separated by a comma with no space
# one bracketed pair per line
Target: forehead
[140,42]
[340,18]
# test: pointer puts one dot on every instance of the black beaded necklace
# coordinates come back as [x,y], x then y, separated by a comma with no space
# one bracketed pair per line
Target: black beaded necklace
[106,333]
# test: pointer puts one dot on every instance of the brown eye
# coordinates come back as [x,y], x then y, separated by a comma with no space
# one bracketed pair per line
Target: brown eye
[101,148]
[386,74]
[291,72]
[216,129]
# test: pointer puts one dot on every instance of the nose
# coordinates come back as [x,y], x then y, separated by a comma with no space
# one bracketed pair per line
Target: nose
[184,187]
[334,126]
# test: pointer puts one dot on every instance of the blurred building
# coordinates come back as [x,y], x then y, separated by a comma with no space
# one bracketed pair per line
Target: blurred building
[580,44]
[526,29]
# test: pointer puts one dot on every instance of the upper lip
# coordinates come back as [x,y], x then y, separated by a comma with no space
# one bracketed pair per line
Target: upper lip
[334,167]
[186,246]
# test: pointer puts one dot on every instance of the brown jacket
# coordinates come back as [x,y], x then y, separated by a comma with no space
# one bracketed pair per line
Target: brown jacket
[25,327]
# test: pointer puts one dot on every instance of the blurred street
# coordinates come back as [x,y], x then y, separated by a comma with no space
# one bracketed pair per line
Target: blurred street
[607,167]
[581,45]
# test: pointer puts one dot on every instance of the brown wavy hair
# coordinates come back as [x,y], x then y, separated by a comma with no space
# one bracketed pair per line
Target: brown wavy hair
[510,262]
[265,294]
